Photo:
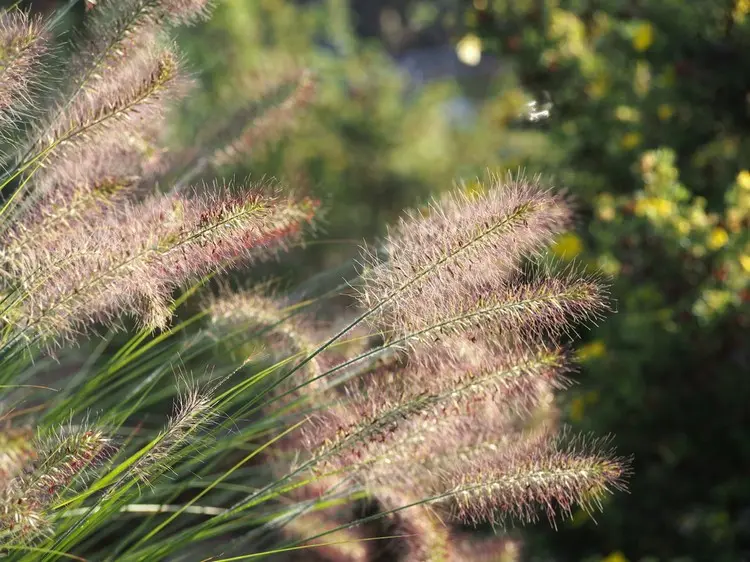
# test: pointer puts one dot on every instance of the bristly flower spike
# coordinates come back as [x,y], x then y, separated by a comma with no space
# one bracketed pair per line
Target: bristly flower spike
[134,258]
[463,416]
[21,45]
[194,411]
[62,458]
[94,138]
[556,476]
[463,243]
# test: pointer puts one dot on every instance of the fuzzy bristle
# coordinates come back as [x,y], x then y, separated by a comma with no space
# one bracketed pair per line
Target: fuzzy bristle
[96,134]
[551,478]
[463,244]
[137,254]
[193,412]
[21,45]
[61,458]
[398,410]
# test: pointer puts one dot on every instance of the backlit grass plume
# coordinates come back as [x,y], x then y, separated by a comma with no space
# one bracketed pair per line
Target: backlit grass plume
[453,421]
[135,255]
[60,460]
[451,259]
[21,44]
[369,422]
[453,424]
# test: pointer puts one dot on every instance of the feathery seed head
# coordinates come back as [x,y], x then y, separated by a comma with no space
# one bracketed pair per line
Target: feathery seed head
[100,132]
[61,458]
[463,244]
[82,138]
[132,20]
[391,420]
[193,412]
[435,451]
[517,311]
[21,45]
[553,477]
[136,255]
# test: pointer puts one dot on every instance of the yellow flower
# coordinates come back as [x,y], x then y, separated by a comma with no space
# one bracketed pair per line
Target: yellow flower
[598,87]
[630,140]
[665,111]
[606,213]
[741,9]
[712,300]
[682,225]
[643,36]
[567,246]
[642,78]
[576,409]
[743,178]
[663,207]
[570,33]
[717,239]
[469,50]
[592,350]
[654,207]
[627,114]
[615,557]
[745,262]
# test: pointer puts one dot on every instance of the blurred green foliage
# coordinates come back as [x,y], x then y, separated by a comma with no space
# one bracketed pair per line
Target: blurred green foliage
[370,144]
[651,115]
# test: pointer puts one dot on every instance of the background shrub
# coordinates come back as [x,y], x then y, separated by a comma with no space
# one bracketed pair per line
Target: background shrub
[651,117]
